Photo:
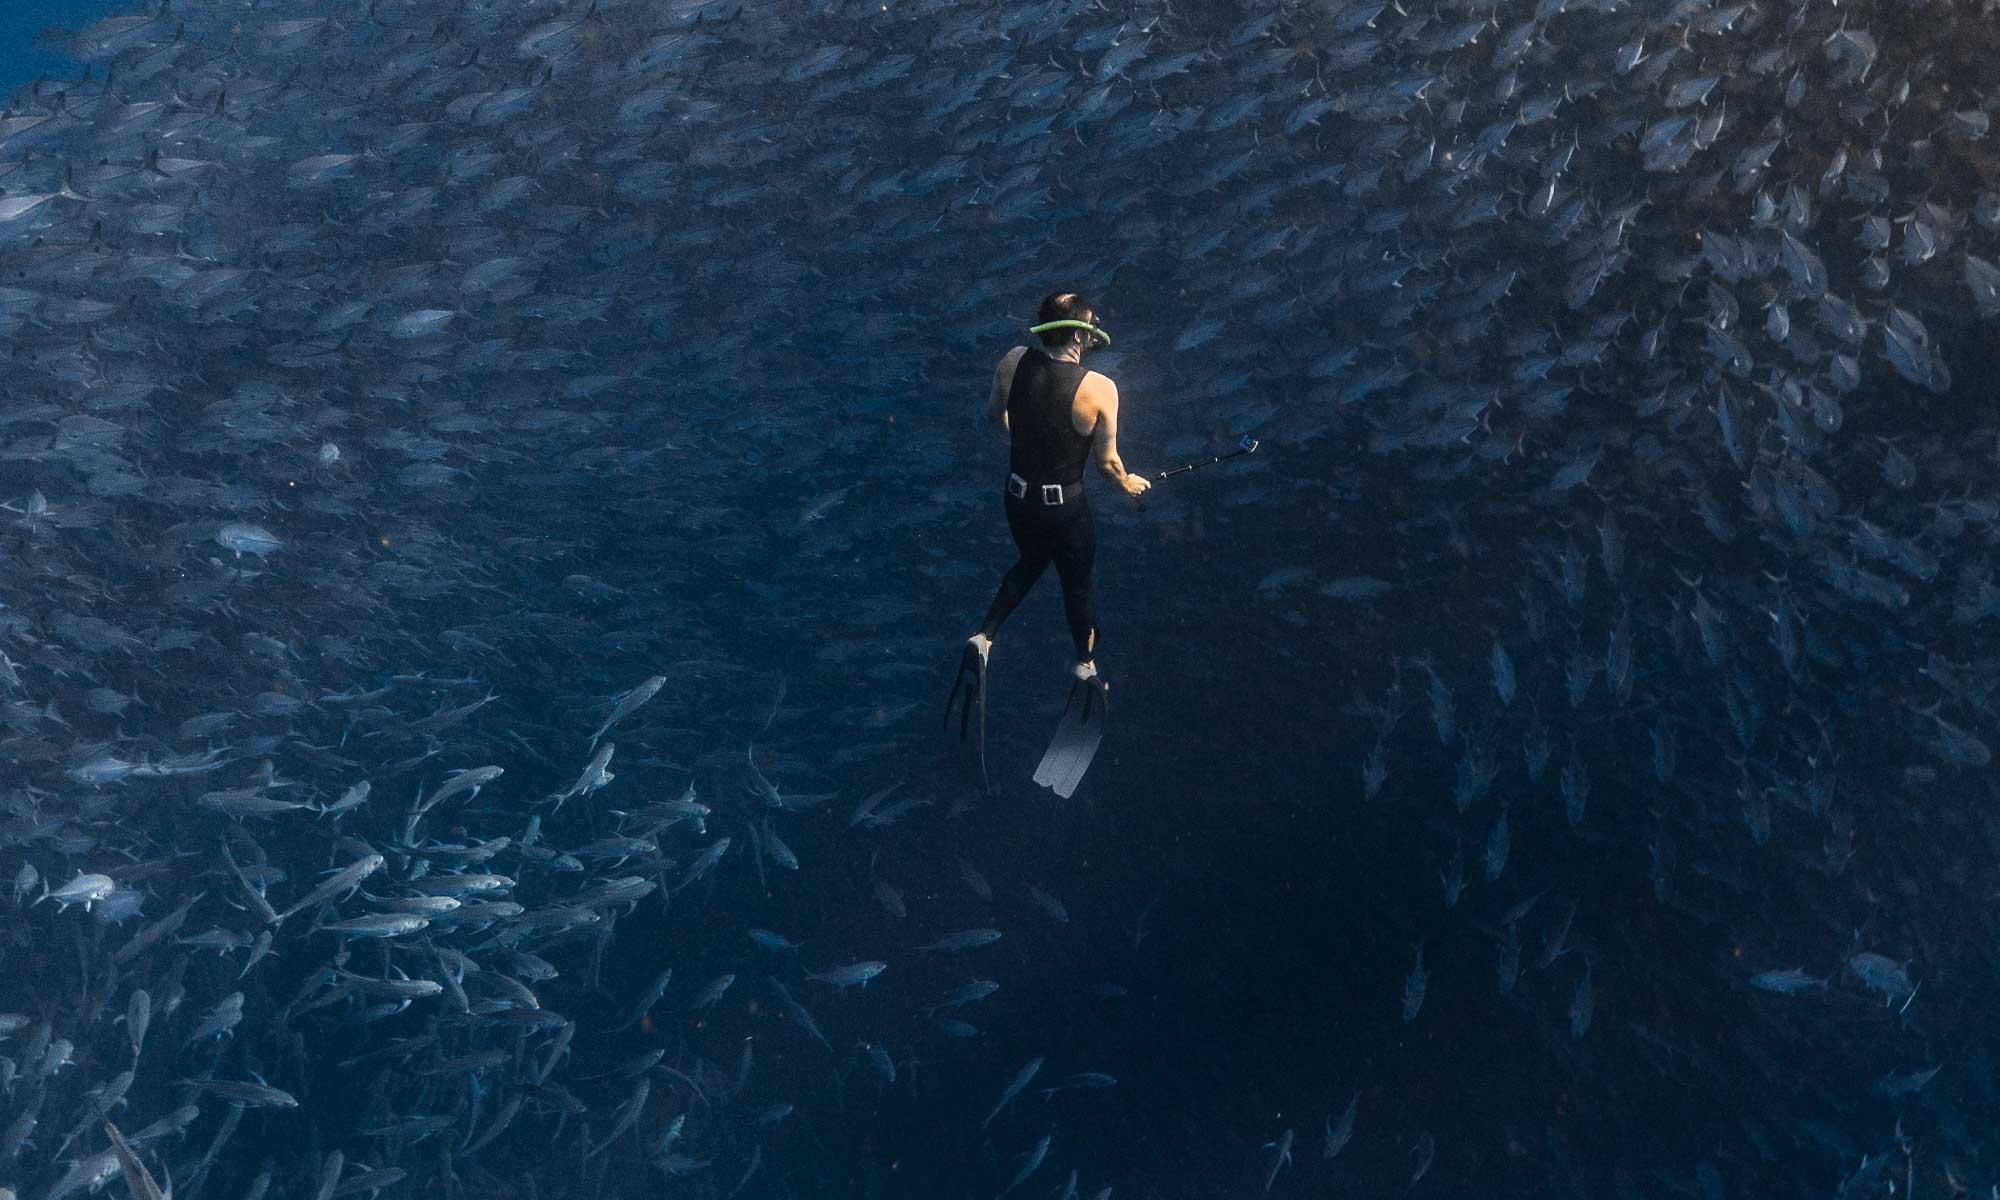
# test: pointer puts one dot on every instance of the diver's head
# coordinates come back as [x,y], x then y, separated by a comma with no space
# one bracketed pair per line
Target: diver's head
[1067,324]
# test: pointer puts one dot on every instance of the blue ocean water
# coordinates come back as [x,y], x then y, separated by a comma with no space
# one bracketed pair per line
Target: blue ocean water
[1561,746]
[22,56]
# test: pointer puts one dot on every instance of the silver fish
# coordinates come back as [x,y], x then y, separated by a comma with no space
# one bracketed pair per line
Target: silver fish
[628,704]
[345,879]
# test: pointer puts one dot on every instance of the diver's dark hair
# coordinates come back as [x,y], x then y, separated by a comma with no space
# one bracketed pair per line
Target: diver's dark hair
[1065,306]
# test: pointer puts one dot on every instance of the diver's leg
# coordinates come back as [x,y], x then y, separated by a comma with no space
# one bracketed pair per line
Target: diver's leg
[1037,549]
[1076,553]
[1030,538]
[1014,586]
[1077,736]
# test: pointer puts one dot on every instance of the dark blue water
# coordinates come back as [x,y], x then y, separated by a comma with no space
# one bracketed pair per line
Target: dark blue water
[26,55]
[549,349]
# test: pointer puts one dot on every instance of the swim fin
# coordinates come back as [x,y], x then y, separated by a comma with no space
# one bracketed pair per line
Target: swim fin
[1075,743]
[971,677]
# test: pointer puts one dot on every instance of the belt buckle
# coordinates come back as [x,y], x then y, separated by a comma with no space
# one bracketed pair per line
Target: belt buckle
[1017,487]
[1057,488]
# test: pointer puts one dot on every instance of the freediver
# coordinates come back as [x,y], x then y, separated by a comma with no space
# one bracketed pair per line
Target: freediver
[1057,415]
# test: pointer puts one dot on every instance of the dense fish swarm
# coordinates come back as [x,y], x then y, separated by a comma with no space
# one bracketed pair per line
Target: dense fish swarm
[485,498]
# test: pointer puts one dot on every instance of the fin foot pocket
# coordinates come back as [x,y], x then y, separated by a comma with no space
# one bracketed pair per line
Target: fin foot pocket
[971,678]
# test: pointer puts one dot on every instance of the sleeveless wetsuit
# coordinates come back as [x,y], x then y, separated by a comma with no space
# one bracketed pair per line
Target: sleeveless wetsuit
[1046,511]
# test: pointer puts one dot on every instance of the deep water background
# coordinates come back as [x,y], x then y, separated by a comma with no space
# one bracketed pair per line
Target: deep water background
[24,56]
[1221,866]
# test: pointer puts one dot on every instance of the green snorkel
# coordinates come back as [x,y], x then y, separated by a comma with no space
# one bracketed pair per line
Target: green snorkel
[1104,339]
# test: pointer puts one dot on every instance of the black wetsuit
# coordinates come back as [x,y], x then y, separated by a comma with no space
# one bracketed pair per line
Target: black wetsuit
[1048,458]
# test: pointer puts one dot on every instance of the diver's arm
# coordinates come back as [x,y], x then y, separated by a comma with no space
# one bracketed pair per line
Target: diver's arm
[996,400]
[1104,442]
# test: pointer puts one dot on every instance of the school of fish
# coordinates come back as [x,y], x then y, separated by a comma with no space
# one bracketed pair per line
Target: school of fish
[488,492]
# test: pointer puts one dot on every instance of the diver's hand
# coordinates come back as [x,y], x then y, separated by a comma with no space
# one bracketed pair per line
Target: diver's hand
[1134,484]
